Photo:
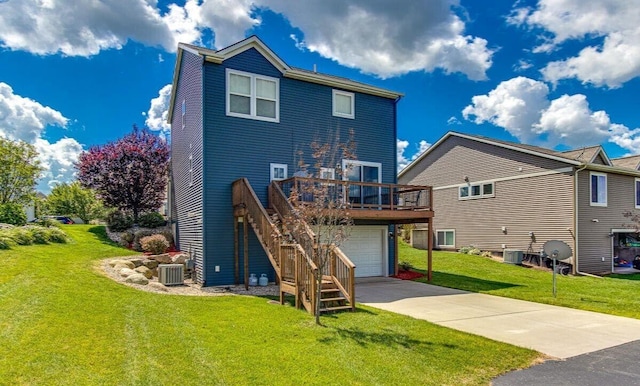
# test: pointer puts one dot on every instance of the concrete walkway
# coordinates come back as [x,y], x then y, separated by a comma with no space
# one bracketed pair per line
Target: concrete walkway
[556,331]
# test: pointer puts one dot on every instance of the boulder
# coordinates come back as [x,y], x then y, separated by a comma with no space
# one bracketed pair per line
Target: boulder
[151,264]
[126,272]
[179,258]
[137,278]
[122,262]
[136,262]
[158,286]
[154,272]
[146,272]
[162,259]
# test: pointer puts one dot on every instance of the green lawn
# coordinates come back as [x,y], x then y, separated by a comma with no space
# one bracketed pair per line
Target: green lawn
[63,323]
[615,294]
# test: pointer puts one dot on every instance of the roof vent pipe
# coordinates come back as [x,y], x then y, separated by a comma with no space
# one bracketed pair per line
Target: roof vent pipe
[315,67]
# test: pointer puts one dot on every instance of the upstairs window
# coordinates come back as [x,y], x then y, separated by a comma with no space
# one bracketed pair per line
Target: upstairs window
[598,188]
[343,104]
[253,96]
[184,113]
[472,191]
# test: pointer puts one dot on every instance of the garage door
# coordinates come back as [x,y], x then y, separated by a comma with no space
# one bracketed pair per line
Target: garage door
[367,249]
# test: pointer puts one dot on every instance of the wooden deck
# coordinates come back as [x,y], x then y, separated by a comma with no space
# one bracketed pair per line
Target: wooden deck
[397,204]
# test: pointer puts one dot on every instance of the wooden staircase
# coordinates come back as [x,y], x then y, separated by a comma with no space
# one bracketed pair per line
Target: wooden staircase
[291,254]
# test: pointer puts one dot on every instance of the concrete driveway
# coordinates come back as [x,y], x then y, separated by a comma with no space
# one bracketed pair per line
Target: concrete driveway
[556,331]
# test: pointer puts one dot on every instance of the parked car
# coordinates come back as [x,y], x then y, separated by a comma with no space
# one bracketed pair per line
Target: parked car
[60,219]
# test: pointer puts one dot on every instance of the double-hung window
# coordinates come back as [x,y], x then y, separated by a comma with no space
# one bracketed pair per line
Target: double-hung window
[253,96]
[598,189]
[343,104]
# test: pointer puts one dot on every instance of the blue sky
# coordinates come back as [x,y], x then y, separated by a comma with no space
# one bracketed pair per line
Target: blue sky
[555,73]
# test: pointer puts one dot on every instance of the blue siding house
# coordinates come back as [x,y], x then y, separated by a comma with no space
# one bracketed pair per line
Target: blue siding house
[241,113]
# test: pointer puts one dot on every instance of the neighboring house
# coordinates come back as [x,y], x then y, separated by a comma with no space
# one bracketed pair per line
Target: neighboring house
[239,117]
[494,194]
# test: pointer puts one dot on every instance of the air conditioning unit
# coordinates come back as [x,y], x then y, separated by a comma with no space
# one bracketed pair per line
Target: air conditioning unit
[512,256]
[171,274]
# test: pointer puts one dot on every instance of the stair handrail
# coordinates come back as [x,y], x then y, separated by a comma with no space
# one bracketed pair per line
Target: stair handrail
[339,267]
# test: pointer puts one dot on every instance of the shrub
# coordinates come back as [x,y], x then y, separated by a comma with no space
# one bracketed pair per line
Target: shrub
[487,254]
[21,236]
[119,221]
[5,241]
[151,220]
[156,244]
[138,235]
[169,236]
[465,250]
[12,213]
[39,234]
[57,235]
[47,222]
[474,251]
[405,265]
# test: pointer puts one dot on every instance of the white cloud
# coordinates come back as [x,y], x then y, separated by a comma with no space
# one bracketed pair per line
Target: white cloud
[368,35]
[86,27]
[25,119]
[159,111]
[453,120]
[359,34]
[401,147]
[523,108]
[613,22]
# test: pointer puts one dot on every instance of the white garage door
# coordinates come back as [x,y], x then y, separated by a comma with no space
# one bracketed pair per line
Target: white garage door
[367,249]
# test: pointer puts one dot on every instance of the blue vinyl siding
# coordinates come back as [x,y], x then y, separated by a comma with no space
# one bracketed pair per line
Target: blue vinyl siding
[237,147]
[187,205]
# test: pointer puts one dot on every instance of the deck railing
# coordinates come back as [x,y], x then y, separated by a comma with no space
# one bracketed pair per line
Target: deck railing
[361,195]
[338,267]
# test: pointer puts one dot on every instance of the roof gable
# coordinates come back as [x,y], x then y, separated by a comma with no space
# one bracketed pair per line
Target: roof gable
[631,162]
[592,154]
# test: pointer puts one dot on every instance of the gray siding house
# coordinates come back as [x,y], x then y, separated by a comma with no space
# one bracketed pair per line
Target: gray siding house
[498,195]
[239,118]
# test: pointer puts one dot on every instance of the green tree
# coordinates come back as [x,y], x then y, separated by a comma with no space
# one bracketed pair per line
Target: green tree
[19,172]
[74,200]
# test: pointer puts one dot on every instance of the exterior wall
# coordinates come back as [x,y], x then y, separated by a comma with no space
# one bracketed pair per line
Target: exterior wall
[525,201]
[187,199]
[595,245]
[238,147]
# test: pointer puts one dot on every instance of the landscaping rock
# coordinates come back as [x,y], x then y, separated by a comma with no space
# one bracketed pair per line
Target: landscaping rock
[122,262]
[137,278]
[162,259]
[126,272]
[136,262]
[146,272]
[179,258]
[151,264]
[158,286]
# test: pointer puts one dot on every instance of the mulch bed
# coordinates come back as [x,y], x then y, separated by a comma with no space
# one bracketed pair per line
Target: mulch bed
[408,275]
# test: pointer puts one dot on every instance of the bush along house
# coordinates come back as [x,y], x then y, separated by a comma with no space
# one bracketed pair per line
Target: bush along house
[239,116]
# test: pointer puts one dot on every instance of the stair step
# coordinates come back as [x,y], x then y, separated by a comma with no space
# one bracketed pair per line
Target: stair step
[336,308]
[329,290]
[338,299]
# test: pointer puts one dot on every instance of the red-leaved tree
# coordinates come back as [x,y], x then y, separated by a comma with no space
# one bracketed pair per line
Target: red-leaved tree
[129,174]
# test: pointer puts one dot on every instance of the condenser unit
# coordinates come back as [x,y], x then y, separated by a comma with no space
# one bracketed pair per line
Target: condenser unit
[512,256]
[171,274]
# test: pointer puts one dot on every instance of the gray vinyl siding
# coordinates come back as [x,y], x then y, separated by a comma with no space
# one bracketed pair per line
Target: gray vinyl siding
[540,204]
[458,157]
[237,147]
[594,241]
[188,202]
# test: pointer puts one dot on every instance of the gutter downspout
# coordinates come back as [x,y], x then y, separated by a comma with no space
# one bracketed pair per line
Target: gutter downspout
[575,221]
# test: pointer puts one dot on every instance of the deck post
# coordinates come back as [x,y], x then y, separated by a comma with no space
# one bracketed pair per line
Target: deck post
[429,249]
[245,234]
[395,249]
[236,249]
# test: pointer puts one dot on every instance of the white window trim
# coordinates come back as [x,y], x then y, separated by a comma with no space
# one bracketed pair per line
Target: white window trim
[253,97]
[482,195]
[273,166]
[331,172]
[191,169]
[352,96]
[606,187]
[445,245]
[635,197]
[346,162]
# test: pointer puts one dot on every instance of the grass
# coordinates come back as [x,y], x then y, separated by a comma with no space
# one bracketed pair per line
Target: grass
[614,294]
[63,323]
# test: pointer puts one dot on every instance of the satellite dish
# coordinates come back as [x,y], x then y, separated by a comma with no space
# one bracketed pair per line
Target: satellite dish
[558,250]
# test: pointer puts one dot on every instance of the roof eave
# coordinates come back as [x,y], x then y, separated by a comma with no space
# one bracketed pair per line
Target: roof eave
[341,83]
